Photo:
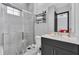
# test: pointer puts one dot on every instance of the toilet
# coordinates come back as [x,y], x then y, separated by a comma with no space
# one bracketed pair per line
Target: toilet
[38,41]
[37,45]
[34,48]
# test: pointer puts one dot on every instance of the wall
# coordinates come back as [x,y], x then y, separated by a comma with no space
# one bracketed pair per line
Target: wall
[73,17]
[58,8]
[48,27]
[41,29]
[50,18]
[76,19]
[73,9]
[39,7]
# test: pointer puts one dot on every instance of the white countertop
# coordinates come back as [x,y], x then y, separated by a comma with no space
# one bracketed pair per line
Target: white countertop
[62,37]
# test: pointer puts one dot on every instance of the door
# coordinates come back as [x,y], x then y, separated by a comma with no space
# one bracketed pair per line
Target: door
[13,28]
[47,50]
[60,51]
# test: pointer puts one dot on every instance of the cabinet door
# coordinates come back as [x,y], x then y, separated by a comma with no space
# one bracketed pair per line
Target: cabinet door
[60,51]
[47,50]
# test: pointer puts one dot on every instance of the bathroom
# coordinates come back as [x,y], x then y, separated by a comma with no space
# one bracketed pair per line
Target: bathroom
[23,24]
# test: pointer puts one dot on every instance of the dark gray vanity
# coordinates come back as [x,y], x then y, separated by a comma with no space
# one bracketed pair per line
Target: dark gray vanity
[56,47]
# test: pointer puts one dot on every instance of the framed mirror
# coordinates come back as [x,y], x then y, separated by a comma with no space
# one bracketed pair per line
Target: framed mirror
[62,22]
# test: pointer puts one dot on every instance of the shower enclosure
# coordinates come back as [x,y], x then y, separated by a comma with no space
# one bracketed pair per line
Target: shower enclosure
[16,30]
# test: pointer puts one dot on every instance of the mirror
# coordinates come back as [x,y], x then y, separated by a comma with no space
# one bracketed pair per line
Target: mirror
[62,22]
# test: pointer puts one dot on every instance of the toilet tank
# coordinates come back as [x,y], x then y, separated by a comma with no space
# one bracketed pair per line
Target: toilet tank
[38,40]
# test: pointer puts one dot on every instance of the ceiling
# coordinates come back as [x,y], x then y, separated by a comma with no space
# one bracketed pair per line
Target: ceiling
[39,7]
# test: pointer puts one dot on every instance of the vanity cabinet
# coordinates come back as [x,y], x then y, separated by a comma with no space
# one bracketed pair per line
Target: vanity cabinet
[55,47]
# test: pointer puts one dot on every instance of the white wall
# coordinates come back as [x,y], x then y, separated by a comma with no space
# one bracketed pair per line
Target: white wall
[41,29]
[73,9]
[76,19]
[39,7]
[50,18]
